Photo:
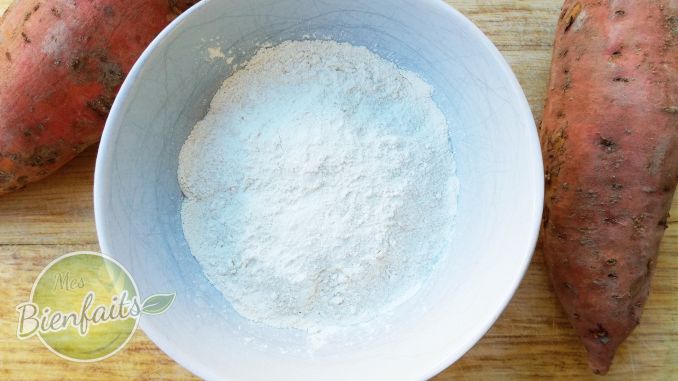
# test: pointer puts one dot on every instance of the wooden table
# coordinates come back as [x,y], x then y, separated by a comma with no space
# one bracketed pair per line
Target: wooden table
[531,340]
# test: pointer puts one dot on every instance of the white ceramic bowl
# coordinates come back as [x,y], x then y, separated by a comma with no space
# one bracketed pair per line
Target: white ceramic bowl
[137,197]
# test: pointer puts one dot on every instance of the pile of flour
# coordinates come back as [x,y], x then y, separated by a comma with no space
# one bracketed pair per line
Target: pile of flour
[320,187]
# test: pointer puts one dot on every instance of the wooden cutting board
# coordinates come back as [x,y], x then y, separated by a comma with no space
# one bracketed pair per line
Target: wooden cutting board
[531,340]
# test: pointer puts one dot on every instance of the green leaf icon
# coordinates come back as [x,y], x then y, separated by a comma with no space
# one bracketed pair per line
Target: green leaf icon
[157,304]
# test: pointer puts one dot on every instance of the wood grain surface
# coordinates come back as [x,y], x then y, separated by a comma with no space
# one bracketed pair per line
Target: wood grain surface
[531,340]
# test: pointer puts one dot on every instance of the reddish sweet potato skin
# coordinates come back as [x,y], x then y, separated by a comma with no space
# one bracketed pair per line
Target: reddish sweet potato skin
[610,143]
[61,65]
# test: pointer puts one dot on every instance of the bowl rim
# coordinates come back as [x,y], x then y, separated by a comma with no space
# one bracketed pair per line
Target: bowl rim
[180,355]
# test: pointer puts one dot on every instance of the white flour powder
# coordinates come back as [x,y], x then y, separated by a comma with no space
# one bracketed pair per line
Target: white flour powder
[320,188]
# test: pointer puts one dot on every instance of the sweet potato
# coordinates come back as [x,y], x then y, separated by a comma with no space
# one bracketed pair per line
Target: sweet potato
[610,144]
[61,64]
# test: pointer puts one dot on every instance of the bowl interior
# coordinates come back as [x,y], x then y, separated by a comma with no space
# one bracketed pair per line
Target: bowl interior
[137,197]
